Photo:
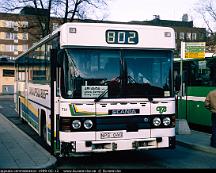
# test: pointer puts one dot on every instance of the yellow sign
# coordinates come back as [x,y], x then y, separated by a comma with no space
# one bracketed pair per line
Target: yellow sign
[193,49]
[194,54]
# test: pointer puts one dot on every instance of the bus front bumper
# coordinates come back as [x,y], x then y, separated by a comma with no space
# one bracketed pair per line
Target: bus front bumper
[68,148]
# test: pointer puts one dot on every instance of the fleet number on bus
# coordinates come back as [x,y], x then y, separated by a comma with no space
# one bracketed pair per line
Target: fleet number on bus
[121,37]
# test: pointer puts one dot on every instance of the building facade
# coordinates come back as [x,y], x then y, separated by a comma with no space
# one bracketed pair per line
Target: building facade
[7,76]
[184,31]
[18,32]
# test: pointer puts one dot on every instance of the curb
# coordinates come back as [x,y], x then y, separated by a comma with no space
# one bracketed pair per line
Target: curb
[6,96]
[198,147]
[52,160]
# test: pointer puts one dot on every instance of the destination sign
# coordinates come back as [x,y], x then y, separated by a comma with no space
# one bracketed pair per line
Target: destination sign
[121,37]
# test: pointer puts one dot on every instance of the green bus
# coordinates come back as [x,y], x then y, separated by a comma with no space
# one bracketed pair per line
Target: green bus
[198,78]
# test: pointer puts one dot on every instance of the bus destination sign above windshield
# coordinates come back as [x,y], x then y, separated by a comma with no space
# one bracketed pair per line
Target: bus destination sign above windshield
[121,37]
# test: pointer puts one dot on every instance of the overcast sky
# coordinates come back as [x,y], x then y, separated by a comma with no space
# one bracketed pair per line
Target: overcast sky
[127,10]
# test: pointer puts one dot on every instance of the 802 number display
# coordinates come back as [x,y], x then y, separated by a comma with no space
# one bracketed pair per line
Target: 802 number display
[121,37]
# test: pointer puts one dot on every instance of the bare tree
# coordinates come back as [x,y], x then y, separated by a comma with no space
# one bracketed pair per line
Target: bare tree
[69,10]
[207,9]
[66,10]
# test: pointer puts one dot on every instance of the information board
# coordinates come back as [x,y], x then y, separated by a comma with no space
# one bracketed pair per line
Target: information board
[192,49]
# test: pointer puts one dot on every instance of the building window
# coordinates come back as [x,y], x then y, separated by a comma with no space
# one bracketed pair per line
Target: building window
[24,24]
[43,25]
[25,36]
[16,50]
[2,47]
[201,36]
[15,36]
[8,73]
[9,36]
[55,26]
[15,26]
[9,24]
[9,48]
[188,36]
[181,35]
[24,47]
[194,36]
[15,47]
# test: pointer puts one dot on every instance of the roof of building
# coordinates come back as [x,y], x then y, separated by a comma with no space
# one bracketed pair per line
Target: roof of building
[28,10]
[168,23]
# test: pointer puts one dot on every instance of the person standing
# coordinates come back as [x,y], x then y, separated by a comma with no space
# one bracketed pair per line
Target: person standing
[210,104]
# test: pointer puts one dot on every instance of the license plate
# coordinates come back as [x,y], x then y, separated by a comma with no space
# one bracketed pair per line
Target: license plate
[105,135]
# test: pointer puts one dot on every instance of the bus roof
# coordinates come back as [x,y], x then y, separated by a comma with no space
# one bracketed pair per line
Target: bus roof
[95,35]
[83,34]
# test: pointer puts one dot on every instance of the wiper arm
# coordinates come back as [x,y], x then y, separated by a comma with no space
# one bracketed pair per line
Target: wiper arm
[105,91]
[101,96]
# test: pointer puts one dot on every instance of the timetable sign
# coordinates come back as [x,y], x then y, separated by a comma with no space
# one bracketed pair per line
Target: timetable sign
[193,50]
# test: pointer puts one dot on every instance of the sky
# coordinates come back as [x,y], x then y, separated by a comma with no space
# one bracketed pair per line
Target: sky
[127,10]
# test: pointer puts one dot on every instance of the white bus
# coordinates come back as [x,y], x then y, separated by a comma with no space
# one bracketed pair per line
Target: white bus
[99,87]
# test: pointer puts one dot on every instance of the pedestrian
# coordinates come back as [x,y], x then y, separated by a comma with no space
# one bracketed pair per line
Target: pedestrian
[210,103]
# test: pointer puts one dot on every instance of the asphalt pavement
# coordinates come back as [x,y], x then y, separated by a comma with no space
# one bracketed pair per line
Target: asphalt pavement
[19,151]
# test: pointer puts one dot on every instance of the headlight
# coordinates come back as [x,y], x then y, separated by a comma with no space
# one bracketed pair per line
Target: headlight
[76,124]
[88,124]
[156,121]
[166,121]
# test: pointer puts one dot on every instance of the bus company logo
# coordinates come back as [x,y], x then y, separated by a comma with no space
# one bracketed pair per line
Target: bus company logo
[161,109]
[123,111]
[37,92]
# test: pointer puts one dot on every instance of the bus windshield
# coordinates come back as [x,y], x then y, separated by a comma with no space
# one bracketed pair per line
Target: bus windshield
[88,73]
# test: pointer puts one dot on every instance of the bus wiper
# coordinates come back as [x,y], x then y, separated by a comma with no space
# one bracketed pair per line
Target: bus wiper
[101,96]
[105,91]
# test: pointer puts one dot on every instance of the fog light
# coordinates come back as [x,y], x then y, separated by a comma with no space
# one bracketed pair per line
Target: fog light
[156,121]
[76,124]
[88,124]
